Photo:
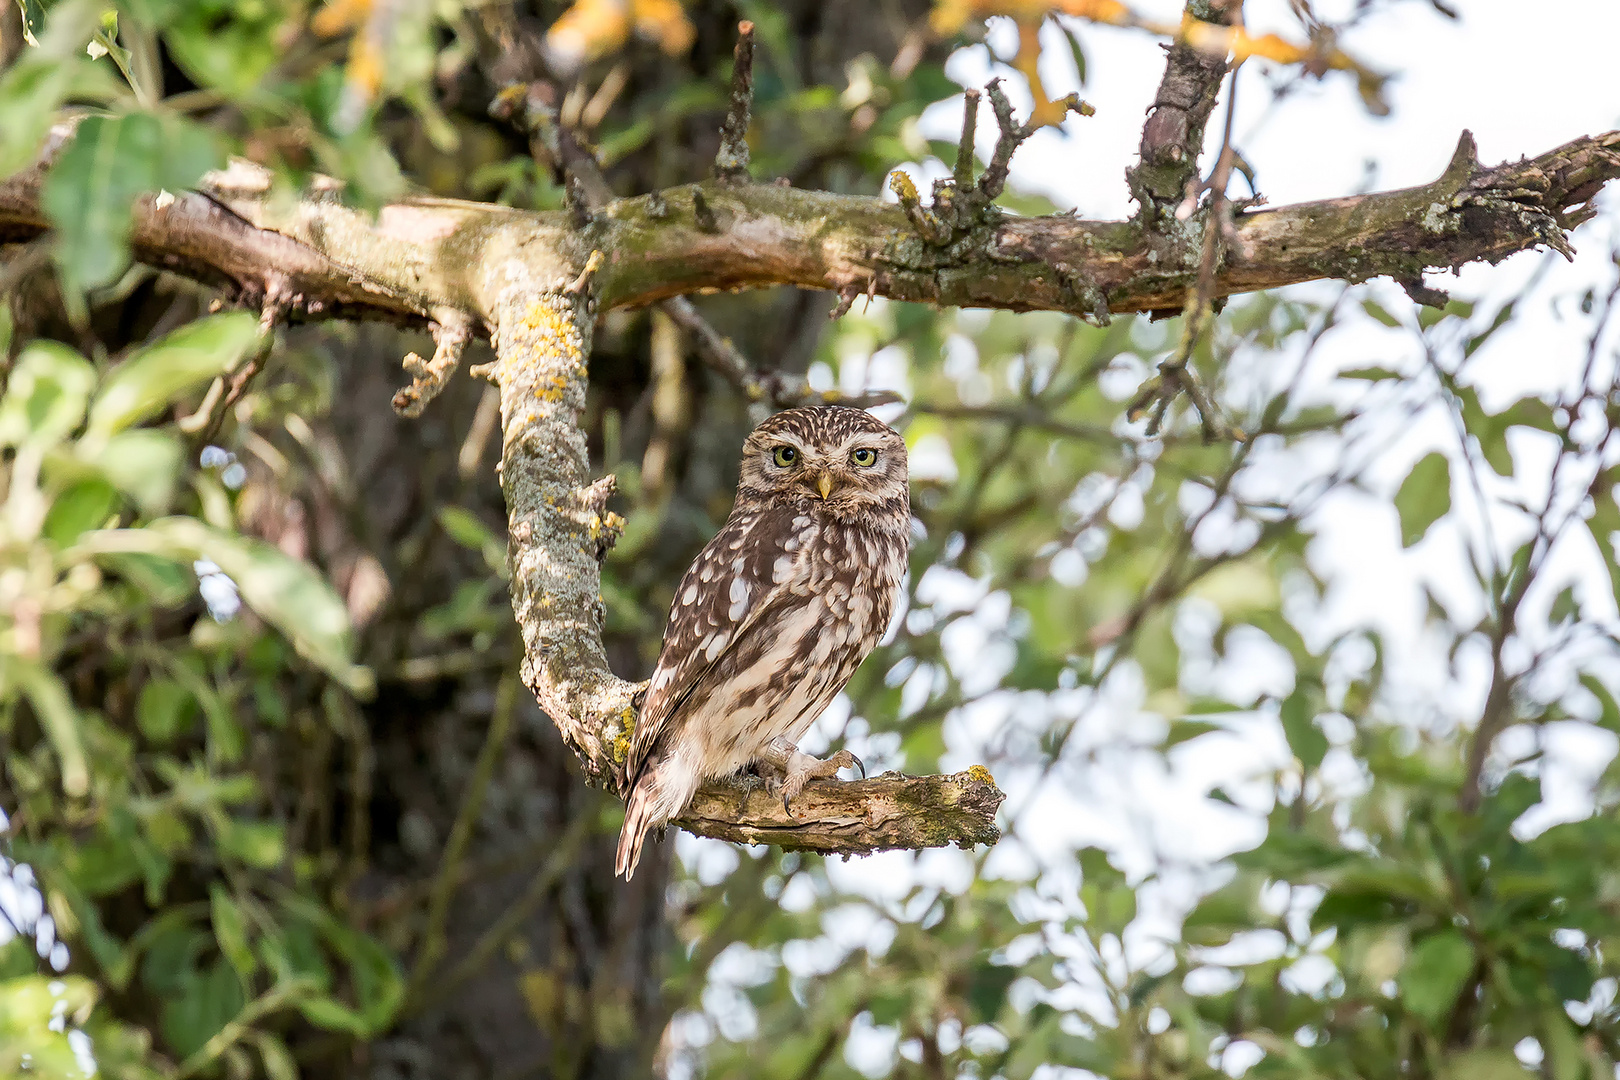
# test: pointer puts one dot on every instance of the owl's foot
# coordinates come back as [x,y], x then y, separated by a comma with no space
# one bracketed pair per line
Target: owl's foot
[798,768]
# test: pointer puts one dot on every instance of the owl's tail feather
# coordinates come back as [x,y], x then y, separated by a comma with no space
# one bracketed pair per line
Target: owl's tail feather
[638,819]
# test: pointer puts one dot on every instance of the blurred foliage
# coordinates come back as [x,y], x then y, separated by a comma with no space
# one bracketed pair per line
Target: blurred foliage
[191,673]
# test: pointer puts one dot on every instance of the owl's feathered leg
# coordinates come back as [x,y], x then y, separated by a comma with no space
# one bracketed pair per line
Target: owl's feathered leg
[799,768]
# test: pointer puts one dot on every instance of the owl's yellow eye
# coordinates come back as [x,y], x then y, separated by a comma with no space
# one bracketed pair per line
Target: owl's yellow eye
[865,457]
[785,456]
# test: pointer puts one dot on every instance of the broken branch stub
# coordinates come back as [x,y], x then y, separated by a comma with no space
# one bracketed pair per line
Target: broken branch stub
[731,161]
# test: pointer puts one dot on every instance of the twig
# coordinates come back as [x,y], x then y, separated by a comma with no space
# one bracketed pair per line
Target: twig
[222,396]
[1174,376]
[1012,136]
[777,388]
[1173,136]
[451,330]
[731,161]
[963,174]
[455,846]
[277,997]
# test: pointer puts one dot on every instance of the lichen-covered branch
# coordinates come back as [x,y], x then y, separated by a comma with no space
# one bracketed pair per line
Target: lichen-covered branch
[854,817]
[417,255]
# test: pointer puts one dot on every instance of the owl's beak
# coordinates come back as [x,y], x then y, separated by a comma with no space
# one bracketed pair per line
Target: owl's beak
[824,484]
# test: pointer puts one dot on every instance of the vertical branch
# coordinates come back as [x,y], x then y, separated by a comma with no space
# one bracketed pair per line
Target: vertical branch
[1174,133]
[731,163]
[963,173]
[559,528]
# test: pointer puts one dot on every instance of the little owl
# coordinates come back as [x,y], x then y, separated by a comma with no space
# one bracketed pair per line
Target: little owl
[772,619]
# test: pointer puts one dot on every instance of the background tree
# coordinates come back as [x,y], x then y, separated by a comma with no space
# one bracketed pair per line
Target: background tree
[272,747]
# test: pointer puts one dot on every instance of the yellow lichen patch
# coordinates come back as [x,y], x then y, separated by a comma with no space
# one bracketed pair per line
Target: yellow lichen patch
[980,774]
[901,184]
[621,739]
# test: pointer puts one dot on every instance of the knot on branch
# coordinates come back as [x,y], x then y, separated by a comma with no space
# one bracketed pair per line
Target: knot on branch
[451,331]
[602,525]
[1538,199]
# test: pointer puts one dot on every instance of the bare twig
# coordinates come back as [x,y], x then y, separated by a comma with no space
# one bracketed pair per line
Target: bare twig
[451,330]
[777,388]
[223,395]
[963,173]
[1174,376]
[731,162]
[1013,134]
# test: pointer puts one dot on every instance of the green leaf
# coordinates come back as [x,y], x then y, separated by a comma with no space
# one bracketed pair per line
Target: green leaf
[1565,608]
[1484,1064]
[46,394]
[1298,716]
[1378,312]
[260,844]
[77,510]
[465,529]
[91,189]
[154,377]
[286,592]
[1370,374]
[1183,730]
[34,1041]
[1424,497]
[986,991]
[230,930]
[206,1003]
[56,715]
[143,464]
[1434,974]
[374,974]
[30,93]
[164,709]
[1609,717]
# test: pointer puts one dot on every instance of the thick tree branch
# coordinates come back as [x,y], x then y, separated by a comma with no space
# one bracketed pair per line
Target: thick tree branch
[426,253]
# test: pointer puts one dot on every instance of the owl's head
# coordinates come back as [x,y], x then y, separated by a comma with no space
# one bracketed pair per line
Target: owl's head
[844,458]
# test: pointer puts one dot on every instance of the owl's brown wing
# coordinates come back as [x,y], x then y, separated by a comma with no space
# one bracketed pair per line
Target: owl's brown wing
[752,563]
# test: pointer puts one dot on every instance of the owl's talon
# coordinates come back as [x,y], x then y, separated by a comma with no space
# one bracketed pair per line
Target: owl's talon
[799,768]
